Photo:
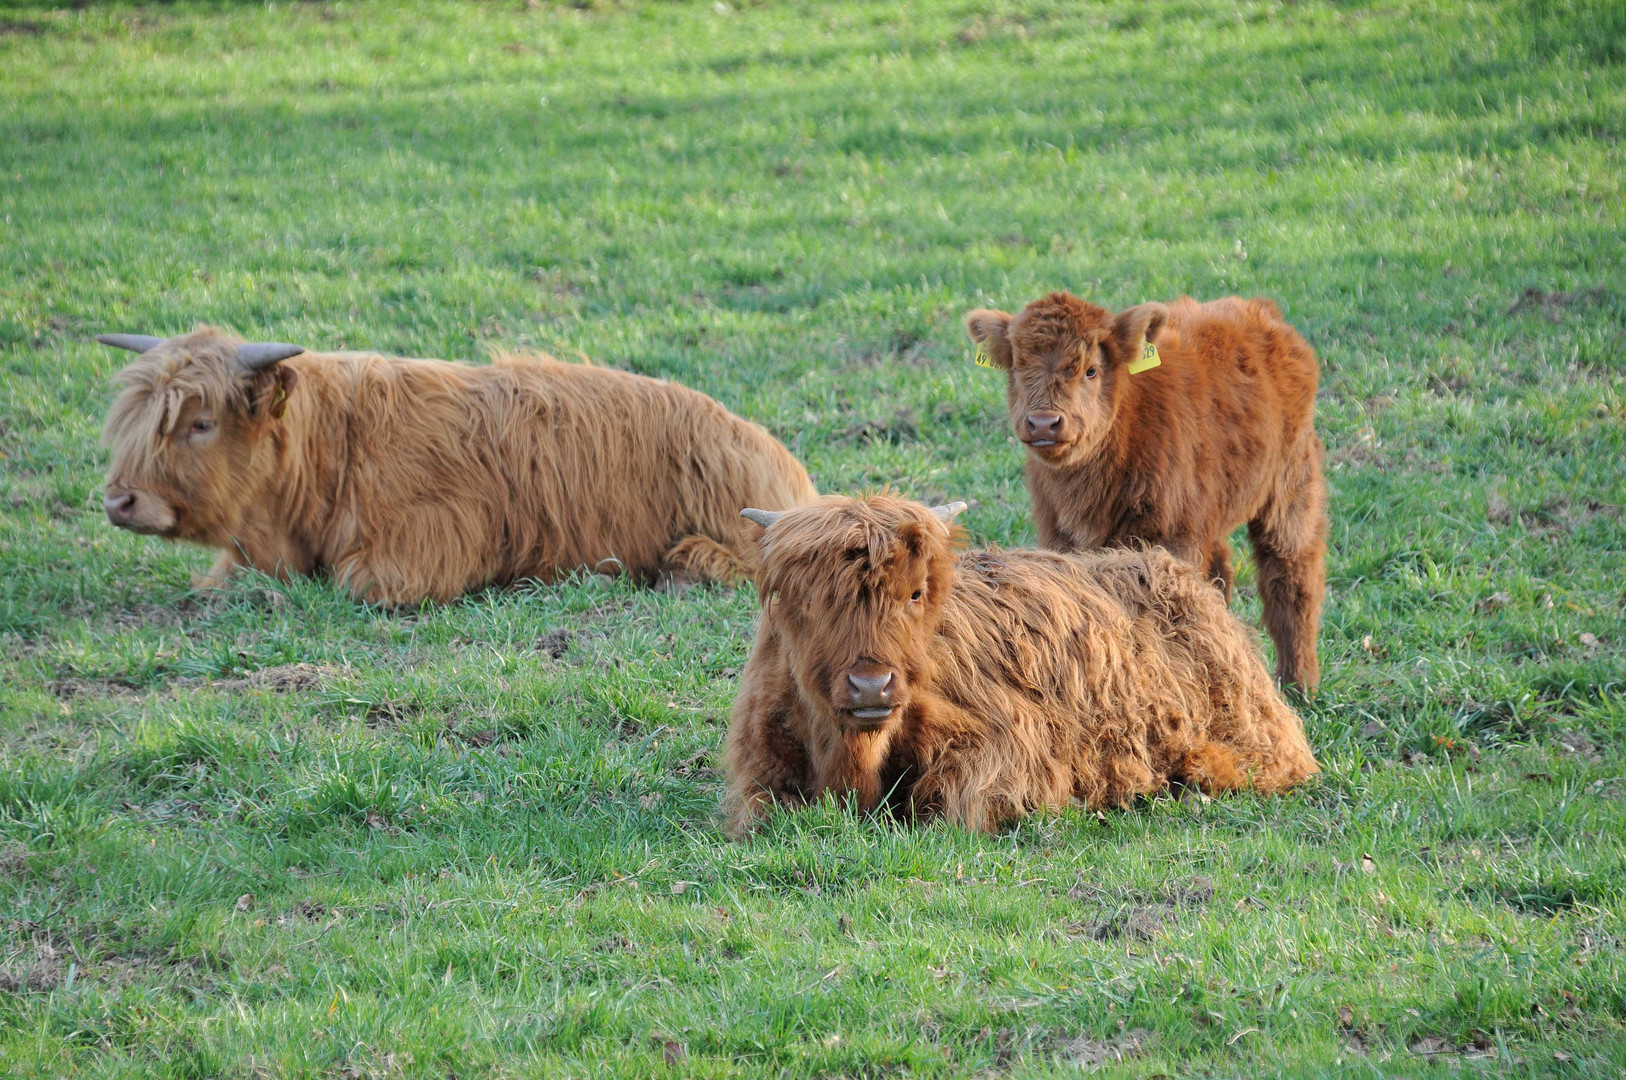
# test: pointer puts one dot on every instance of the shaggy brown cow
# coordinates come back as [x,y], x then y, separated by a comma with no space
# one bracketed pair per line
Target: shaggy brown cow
[1181,454]
[984,686]
[414,479]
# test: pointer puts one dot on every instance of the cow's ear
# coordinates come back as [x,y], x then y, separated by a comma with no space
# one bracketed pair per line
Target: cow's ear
[988,329]
[1132,326]
[287,378]
[271,389]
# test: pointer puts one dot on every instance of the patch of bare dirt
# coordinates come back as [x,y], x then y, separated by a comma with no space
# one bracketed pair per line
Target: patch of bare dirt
[13,859]
[1362,449]
[1086,1053]
[694,767]
[1440,1046]
[1552,304]
[375,1067]
[307,910]
[144,966]
[285,678]
[555,643]
[39,970]
[68,687]
[180,613]
[1194,892]
[1135,916]
[1131,922]
[1556,514]
[388,713]
[1581,745]
[902,427]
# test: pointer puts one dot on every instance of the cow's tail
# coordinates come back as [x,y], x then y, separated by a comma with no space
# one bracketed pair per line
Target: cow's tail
[697,560]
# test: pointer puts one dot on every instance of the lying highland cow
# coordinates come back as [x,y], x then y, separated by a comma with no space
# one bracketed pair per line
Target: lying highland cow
[1178,454]
[414,479]
[984,686]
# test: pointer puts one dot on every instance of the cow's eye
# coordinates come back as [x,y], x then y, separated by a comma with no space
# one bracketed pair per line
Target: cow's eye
[202,426]
[915,597]
[1091,372]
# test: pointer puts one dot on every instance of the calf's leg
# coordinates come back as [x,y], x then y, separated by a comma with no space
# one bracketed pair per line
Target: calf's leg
[1219,567]
[1289,540]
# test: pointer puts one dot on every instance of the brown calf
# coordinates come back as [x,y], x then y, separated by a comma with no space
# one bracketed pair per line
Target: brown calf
[1180,454]
[984,686]
[421,479]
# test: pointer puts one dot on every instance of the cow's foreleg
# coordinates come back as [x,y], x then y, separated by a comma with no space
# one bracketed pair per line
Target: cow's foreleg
[765,765]
[698,560]
[218,574]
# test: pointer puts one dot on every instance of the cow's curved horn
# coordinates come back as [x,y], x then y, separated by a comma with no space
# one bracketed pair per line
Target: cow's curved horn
[948,511]
[761,517]
[262,354]
[133,342]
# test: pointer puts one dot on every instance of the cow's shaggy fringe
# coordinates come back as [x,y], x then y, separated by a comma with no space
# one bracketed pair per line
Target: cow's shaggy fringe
[1025,679]
[1179,455]
[414,479]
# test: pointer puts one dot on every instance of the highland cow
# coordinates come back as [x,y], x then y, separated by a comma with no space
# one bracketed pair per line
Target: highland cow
[1219,433]
[984,686]
[407,480]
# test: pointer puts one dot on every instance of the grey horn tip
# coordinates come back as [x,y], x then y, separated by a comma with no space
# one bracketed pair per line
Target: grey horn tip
[761,517]
[133,342]
[949,511]
[262,354]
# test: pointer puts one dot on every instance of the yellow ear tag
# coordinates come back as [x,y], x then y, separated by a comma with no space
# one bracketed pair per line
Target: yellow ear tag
[1148,359]
[982,358]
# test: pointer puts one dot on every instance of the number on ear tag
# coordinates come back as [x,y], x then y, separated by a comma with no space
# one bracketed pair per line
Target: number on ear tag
[982,358]
[1148,359]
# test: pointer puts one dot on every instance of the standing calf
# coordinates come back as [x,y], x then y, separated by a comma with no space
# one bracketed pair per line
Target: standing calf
[982,687]
[421,479]
[1178,455]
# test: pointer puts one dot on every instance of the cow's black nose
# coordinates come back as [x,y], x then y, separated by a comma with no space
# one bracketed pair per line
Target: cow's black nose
[120,508]
[871,691]
[1044,427]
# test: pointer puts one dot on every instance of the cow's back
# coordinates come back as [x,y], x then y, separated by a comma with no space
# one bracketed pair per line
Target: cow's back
[628,465]
[456,476]
[1114,664]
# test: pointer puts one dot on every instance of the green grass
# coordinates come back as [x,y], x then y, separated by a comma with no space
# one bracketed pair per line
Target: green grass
[438,849]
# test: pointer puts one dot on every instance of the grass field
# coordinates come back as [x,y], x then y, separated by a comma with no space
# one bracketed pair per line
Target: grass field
[272,832]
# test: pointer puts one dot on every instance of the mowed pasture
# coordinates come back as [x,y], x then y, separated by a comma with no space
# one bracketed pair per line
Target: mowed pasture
[273,832]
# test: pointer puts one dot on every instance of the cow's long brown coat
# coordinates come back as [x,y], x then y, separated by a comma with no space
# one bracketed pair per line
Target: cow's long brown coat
[414,479]
[1024,679]
[1179,455]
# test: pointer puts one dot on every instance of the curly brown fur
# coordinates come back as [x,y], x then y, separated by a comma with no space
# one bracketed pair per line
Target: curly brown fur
[1220,434]
[1023,680]
[422,479]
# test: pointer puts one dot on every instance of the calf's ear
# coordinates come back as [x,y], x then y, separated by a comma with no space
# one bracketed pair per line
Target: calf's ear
[1140,323]
[987,328]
